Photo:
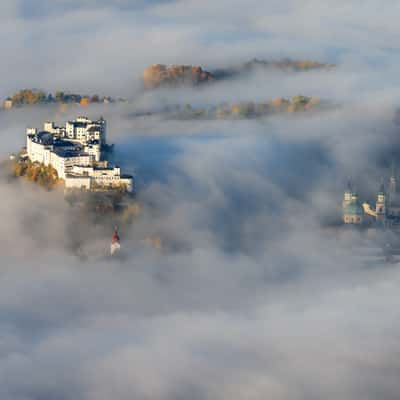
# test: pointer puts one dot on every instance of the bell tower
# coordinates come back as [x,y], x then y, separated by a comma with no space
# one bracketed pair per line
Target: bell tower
[381,204]
[347,196]
[392,182]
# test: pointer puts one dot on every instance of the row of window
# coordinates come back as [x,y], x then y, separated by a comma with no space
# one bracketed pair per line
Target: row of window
[352,219]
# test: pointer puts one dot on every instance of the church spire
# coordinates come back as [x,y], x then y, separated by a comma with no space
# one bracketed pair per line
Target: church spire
[380,206]
[393,168]
[382,187]
[392,179]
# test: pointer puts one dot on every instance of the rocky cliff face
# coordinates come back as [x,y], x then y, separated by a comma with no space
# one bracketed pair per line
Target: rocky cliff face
[159,75]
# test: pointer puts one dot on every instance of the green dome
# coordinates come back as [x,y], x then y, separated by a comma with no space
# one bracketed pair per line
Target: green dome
[353,209]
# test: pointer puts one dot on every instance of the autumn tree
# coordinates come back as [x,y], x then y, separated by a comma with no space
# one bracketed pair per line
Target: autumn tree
[84,101]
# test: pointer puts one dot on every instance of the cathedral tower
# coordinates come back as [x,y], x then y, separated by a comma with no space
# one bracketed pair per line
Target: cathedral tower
[392,183]
[347,196]
[353,213]
[381,204]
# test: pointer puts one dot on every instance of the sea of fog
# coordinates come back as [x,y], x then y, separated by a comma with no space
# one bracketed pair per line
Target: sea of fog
[255,291]
[236,279]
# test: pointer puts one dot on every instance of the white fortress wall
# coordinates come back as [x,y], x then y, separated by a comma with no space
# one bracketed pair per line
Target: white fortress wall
[79,168]
[77,182]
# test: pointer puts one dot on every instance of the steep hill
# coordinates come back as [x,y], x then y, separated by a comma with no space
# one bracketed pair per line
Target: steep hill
[160,75]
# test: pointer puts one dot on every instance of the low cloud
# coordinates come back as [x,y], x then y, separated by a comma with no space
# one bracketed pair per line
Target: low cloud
[255,291]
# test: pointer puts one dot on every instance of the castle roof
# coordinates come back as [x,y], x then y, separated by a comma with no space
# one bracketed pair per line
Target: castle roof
[78,124]
[93,129]
[66,153]
[44,138]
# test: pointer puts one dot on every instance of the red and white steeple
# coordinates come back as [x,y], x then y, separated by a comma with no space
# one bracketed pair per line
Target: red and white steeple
[115,242]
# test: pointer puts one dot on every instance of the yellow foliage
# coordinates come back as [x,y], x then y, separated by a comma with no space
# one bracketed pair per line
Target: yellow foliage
[35,172]
[236,109]
[280,101]
[28,96]
[300,99]
[308,64]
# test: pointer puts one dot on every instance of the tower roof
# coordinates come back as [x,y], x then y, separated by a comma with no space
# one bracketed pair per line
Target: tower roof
[349,188]
[115,237]
[381,189]
[393,169]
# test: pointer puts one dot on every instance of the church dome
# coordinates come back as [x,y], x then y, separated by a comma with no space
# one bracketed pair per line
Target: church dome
[354,209]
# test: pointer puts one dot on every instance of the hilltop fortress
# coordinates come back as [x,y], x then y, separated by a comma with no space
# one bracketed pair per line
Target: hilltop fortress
[76,152]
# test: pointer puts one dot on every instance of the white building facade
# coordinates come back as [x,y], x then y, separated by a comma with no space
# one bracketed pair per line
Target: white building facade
[74,151]
[84,130]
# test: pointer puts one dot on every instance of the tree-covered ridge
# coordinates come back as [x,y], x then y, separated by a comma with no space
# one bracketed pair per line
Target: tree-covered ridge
[160,75]
[35,96]
[249,109]
[285,65]
[164,76]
